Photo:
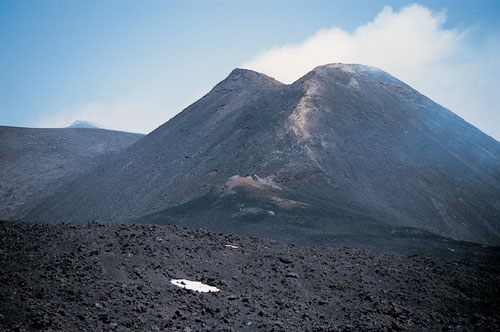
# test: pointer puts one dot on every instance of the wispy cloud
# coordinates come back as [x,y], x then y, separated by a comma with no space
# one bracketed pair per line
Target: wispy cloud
[445,64]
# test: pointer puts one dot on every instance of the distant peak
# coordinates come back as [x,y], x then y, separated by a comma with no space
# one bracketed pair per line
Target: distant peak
[83,124]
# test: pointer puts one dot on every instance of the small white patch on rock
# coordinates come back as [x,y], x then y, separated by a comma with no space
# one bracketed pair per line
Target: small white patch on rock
[194,285]
[246,211]
[271,213]
[230,246]
[128,164]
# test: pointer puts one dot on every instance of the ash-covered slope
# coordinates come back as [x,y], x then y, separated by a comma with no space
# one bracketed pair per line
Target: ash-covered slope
[34,162]
[346,153]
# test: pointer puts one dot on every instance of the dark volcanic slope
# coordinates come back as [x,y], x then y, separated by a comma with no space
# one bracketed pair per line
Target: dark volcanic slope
[117,277]
[346,151]
[33,162]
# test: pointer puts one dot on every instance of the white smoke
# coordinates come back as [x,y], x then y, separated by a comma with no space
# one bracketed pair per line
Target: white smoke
[447,65]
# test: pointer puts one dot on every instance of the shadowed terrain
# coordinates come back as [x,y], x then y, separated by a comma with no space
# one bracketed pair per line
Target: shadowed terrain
[103,277]
[35,162]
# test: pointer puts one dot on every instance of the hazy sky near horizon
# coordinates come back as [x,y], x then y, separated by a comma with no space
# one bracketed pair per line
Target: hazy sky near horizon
[132,65]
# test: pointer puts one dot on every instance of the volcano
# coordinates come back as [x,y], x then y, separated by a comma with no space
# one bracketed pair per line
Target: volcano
[347,154]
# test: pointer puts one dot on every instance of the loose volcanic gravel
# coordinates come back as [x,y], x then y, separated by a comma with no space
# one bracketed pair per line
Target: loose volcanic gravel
[103,277]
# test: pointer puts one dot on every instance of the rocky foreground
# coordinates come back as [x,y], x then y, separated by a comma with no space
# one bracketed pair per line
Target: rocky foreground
[103,277]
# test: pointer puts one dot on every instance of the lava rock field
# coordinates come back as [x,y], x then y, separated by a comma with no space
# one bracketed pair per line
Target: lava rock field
[112,277]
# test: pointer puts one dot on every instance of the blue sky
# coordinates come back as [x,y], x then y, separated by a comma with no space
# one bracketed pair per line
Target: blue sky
[132,65]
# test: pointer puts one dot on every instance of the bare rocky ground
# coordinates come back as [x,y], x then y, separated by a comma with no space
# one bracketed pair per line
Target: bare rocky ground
[101,277]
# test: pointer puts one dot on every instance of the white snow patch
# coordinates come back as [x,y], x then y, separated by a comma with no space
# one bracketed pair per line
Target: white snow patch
[270,212]
[194,285]
[230,246]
